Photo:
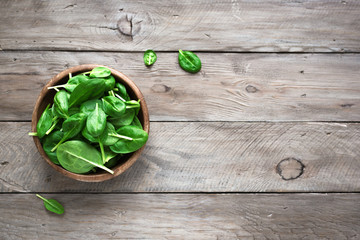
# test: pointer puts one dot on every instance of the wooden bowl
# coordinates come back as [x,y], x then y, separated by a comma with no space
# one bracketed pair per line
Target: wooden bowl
[47,96]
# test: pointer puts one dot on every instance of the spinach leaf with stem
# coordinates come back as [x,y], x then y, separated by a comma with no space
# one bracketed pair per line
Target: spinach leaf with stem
[61,104]
[80,157]
[50,141]
[189,61]
[91,89]
[106,138]
[71,127]
[149,57]
[72,83]
[121,90]
[113,106]
[138,136]
[44,122]
[52,205]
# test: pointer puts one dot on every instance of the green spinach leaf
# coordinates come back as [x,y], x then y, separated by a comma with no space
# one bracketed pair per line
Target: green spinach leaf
[89,106]
[138,136]
[52,205]
[121,90]
[100,72]
[106,137]
[61,104]
[123,120]
[80,157]
[96,121]
[71,127]
[136,122]
[149,57]
[50,141]
[93,88]
[189,61]
[109,83]
[113,106]
[44,122]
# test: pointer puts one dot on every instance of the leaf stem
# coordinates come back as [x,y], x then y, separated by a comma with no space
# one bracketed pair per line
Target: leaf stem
[120,136]
[42,198]
[118,96]
[58,86]
[56,120]
[102,150]
[70,75]
[84,73]
[111,93]
[33,134]
[57,145]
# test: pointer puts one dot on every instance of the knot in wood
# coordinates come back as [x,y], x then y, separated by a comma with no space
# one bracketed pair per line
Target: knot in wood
[251,89]
[160,88]
[290,168]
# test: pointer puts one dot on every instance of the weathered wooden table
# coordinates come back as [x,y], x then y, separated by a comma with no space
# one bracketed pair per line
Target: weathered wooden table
[263,143]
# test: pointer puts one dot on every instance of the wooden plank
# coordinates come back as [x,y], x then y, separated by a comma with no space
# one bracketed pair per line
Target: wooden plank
[182,216]
[240,26]
[206,157]
[230,87]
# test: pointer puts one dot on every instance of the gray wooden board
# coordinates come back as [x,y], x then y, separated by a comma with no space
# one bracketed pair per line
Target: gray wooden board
[206,157]
[232,25]
[230,86]
[182,216]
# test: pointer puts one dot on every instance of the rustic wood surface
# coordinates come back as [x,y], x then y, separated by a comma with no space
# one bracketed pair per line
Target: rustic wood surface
[206,157]
[262,143]
[230,87]
[173,216]
[232,25]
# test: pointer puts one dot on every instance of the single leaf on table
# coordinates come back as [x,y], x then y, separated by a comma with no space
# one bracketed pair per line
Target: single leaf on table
[100,72]
[91,89]
[45,122]
[61,104]
[89,106]
[138,136]
[149,57]
[113,106]
[189,61]
[71,127]
[52,205]
[80,157]
[50,142]
[96,121]
[123,120]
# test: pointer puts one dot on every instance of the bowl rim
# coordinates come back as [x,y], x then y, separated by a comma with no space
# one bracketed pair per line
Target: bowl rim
[118,169]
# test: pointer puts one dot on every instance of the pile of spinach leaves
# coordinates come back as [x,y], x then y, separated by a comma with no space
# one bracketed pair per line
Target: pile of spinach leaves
[91,123]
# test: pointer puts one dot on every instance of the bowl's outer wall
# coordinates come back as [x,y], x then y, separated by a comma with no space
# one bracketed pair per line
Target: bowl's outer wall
[47,96]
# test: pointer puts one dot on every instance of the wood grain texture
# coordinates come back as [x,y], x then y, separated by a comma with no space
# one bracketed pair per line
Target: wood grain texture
[205,157]
[232,25]
[230,86]
[182,216]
